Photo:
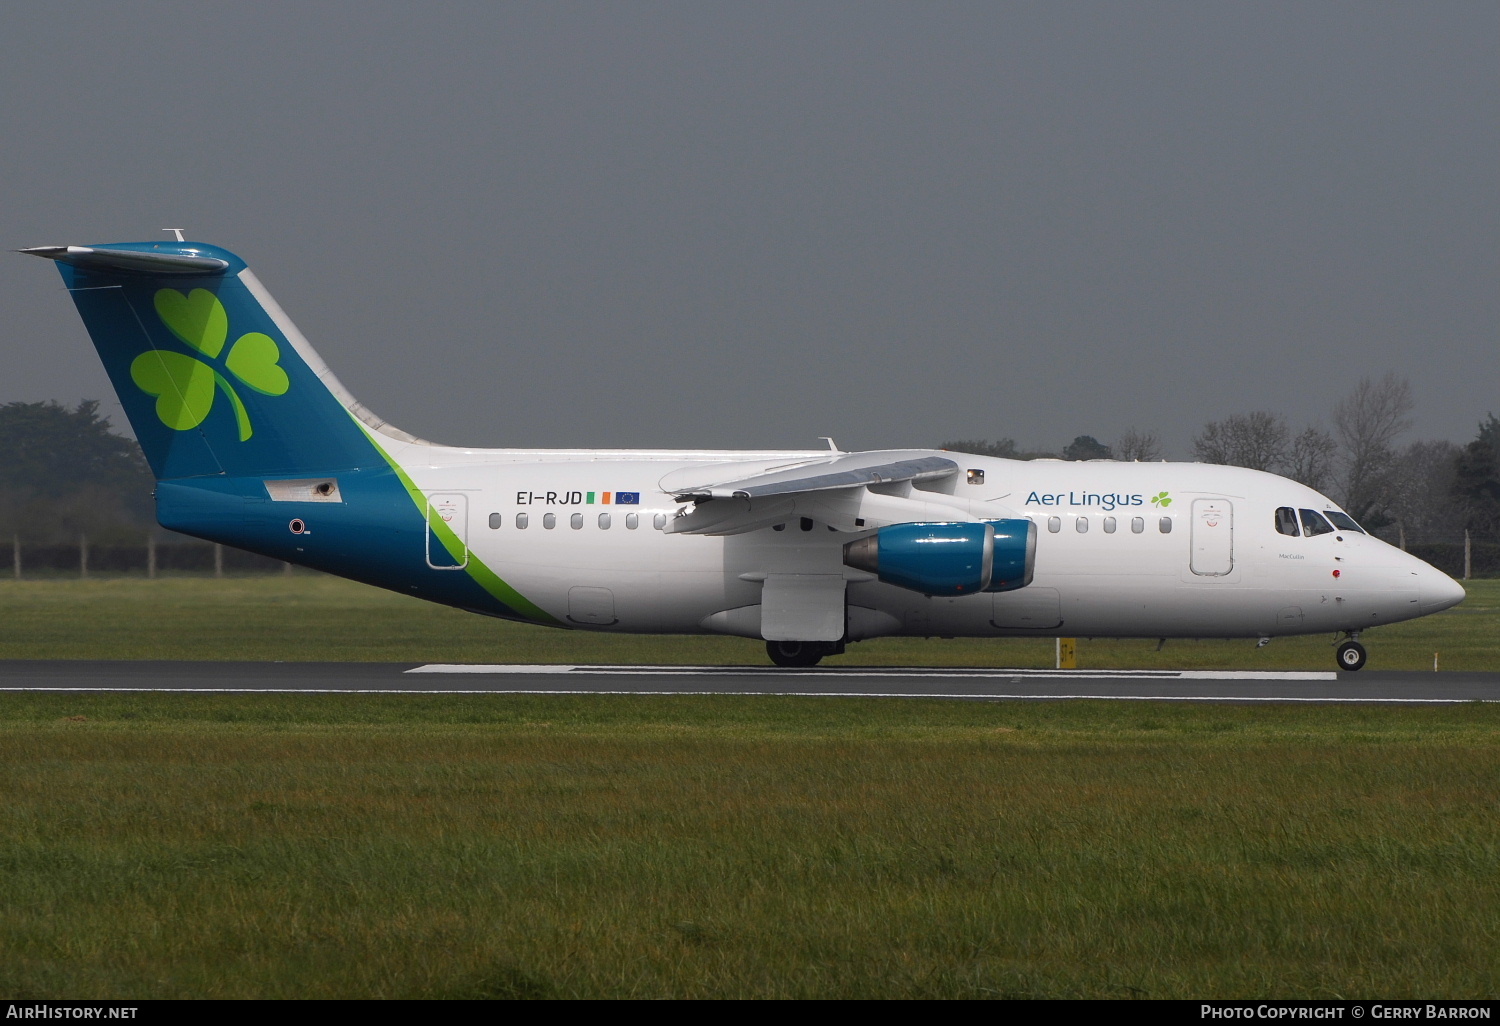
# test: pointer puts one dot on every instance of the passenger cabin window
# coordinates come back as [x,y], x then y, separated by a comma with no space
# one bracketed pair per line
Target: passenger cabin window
[1164,525]
[1082,525]
[632,521]
[576,521]
[1109,525]
[976,477]
[1313,524]
[1286,521]
[659,521]
[604,521]
[1137,525]
[1343,521]
[549,520]
[522,520]
[1054,524]
[495,521]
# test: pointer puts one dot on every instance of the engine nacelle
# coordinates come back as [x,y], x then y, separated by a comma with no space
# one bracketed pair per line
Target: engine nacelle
[949,558]
[1015,554]
[935,559]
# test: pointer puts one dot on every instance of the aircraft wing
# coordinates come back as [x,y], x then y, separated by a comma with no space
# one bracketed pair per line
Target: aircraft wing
[851,471]
[834,490]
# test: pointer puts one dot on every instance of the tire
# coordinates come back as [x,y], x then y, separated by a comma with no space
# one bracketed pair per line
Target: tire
[796,654]
[1351,656]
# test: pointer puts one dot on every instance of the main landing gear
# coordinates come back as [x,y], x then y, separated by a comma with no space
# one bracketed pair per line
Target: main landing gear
[801,653]
[1351,654]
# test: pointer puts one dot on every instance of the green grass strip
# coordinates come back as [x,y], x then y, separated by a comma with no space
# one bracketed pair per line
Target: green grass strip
[440,846]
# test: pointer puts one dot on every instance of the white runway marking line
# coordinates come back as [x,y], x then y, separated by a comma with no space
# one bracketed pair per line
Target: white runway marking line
[778,694]
[874,671]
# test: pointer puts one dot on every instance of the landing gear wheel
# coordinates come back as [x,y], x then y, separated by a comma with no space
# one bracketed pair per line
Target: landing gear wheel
[796,653]
[1351,656]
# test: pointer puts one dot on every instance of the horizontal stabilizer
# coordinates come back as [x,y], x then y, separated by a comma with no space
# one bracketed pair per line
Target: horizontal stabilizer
[137,261]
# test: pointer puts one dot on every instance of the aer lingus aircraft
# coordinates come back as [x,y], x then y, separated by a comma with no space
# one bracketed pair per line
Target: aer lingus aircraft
[256,444]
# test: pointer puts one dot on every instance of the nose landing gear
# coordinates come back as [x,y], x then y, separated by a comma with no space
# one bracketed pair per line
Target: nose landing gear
[1351,654]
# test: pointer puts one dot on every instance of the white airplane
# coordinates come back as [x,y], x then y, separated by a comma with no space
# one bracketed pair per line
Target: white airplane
[256,444]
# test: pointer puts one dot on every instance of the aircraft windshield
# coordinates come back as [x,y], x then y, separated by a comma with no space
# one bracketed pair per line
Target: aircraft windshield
[1343,521]
[1286,521]
[1313,524]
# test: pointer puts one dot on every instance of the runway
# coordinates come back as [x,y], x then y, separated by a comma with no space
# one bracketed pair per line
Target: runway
[1369,686]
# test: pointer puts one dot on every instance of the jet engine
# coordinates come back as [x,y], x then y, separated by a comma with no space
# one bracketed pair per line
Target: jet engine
[949,558]
[1014,562]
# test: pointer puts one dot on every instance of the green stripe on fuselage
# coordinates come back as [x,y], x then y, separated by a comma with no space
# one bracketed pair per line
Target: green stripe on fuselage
[481,574]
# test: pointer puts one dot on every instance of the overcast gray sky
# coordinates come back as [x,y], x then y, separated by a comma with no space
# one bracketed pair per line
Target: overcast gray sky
[746,225]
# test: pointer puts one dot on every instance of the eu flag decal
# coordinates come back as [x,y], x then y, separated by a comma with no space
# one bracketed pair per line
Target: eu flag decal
[627,498]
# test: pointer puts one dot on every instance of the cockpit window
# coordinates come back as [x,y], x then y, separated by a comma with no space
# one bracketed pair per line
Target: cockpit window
[1313,524]
[1343,521]
[1286,521]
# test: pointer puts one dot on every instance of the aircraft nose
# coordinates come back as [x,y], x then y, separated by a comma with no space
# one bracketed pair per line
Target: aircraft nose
[1438,591]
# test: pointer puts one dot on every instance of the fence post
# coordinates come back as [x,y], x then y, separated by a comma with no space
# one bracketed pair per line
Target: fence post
[83,554]
[1468,555]
[218,560]
[151,556]
[15,554]
[286,569]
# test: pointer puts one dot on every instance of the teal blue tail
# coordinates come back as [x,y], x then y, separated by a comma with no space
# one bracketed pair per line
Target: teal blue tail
[214,377]
[253,441]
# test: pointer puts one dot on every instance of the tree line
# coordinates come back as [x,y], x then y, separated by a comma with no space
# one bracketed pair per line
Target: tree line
[1416,493]
[64,472]
[75,495]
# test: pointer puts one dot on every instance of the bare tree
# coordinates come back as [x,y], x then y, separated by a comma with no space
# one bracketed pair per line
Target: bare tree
[1368,421]
[1310,459]
[1257,440]
[1420,494]
[1142,446]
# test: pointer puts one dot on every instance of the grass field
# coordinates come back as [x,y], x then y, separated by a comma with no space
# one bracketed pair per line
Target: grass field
[444,846]
[313,617]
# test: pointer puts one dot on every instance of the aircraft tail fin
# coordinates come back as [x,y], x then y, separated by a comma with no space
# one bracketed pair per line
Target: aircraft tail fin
[214,377]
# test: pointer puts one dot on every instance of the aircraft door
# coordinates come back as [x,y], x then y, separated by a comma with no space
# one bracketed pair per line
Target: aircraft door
[592,605]
[1213,537]
[448,531]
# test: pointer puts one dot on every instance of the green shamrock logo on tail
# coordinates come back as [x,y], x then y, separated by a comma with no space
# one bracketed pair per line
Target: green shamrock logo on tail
[1161,499]
[185,386]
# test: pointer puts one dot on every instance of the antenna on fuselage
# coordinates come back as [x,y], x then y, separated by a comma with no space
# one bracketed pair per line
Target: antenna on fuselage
[831,446]
[177,232]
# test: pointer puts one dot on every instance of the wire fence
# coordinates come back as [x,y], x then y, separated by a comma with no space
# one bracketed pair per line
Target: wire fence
[1484,558]
[85,558]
